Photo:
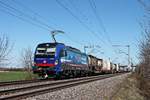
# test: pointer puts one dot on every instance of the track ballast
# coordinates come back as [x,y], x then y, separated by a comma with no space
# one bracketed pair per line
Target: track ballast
[24,92]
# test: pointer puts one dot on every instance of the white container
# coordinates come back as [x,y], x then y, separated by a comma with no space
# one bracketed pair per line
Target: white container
[106,65]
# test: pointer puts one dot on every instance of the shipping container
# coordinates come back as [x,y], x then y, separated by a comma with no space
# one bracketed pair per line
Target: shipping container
[106,66]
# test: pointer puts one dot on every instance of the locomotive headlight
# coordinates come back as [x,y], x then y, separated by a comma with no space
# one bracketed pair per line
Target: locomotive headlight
[56,62]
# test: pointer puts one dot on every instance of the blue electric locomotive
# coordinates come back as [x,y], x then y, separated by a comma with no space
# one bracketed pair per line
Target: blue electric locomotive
[56,60]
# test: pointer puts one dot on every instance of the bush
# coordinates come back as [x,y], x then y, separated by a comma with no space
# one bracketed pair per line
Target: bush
[143,69]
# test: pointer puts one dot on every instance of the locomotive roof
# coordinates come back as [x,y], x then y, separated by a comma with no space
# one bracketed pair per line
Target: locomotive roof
[73,49]
[50,43]
[68,47]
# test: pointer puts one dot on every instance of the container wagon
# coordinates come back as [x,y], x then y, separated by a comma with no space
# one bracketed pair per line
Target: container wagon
[106,68]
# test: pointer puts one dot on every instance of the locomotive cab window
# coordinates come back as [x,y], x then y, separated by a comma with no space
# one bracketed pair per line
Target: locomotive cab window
[50,51]
[41,50]
[46,50]
[63,53]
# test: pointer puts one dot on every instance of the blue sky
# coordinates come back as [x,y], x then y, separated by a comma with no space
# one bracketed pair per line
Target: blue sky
[120,18]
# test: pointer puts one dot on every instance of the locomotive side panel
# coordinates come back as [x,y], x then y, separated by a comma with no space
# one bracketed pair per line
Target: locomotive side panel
[74,61]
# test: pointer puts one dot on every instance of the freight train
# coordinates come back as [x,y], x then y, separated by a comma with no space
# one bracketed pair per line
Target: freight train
[58,60]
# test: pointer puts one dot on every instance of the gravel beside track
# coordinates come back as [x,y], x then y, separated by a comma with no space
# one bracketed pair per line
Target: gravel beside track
[97,90]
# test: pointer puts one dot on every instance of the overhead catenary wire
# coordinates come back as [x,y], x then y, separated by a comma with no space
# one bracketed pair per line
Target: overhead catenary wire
[36,13]
[101,33]
[101,24]
[93,6]
[23,14]
[78,19]
[32,11]
[79,11]
[81,14]
[25,20]
[84,17]
[29,19]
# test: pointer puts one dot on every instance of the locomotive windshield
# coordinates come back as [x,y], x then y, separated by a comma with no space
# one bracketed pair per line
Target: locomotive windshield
[45,50]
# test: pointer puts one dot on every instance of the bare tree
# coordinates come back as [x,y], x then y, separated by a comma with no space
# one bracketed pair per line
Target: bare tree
[27,59]
[144,47]
[144,67]
[5,49]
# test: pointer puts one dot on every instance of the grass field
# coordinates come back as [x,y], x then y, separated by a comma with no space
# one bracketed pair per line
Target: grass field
[15,75]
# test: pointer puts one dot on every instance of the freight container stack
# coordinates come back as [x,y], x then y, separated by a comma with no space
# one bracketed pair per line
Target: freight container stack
[106,66]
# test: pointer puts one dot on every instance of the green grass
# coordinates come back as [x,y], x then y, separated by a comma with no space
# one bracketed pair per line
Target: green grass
[15,75]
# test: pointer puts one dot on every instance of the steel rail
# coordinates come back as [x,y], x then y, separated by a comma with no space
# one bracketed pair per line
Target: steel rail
[45,88]
[20,82]
[6,91]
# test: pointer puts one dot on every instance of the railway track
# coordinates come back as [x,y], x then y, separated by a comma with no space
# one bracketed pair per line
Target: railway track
[24,92]
[21,82]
